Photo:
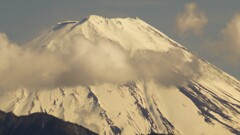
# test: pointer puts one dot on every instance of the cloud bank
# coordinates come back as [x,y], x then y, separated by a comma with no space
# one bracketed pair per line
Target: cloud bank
[191,20]
[88,63]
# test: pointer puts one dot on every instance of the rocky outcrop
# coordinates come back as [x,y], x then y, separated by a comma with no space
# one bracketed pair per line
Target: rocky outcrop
[38,124]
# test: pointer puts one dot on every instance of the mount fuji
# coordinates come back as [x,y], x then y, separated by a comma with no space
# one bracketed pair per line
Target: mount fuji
[132,79]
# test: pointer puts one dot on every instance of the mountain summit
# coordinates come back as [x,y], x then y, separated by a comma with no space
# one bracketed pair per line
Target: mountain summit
[121,30]
[123,76]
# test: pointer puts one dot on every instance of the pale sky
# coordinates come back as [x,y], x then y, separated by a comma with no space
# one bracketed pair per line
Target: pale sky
[209,29]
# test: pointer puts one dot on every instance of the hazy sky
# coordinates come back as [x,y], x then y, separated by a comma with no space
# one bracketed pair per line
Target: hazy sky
[210,29]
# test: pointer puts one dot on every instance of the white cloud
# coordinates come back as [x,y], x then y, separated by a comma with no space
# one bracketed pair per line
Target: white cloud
[88,63]
[20,67]
[191,20]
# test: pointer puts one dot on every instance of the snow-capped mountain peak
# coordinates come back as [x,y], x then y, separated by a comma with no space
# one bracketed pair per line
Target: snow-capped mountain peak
[171,91]
[122,31]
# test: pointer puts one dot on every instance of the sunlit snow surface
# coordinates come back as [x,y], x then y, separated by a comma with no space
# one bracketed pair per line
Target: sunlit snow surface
[209,104]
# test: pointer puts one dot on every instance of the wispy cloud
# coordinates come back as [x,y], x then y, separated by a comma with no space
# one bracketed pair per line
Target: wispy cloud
[225,50]
[231,34]
[191,20]
[228,47]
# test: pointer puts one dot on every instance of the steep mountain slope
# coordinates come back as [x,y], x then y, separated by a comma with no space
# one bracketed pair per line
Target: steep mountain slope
[194,98]
[38,124]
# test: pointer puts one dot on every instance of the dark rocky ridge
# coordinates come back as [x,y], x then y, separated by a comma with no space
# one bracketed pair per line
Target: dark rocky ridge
[38,124]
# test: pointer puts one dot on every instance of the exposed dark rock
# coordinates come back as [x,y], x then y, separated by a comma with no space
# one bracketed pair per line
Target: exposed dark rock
[38,124]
